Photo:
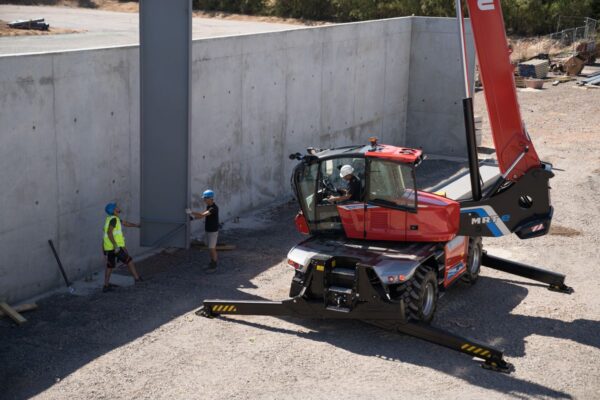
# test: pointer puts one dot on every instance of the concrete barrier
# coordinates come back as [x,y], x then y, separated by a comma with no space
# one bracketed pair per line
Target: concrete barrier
[69,133]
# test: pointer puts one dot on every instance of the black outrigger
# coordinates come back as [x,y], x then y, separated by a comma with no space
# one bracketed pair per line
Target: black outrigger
[343,288]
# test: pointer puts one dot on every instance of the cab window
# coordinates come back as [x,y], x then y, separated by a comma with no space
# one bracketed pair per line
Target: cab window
[307,180]
[391,185]
[332,183]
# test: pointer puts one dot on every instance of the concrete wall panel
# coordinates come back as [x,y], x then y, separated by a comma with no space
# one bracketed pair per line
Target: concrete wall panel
[216,121]
[29,197]
[304,91]
[130,200]
[338,77]
[93,147]
[369,77]
[263,118]
[436,89]
[397,62]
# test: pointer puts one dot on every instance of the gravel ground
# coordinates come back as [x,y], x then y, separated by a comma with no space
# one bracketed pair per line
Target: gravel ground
[145,342]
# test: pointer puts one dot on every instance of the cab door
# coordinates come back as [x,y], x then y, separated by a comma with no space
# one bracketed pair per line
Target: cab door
[391,195]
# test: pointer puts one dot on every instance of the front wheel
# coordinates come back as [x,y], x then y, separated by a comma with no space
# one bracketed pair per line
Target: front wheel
[473,261]
[422,299]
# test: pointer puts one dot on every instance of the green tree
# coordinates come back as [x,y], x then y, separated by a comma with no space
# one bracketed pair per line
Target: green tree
[522,17]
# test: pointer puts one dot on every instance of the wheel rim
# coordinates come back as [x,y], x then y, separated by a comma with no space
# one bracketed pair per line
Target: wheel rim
[474,267]
[428,299]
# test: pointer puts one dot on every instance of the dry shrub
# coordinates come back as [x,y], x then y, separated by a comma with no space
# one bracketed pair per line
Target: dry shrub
[525,49]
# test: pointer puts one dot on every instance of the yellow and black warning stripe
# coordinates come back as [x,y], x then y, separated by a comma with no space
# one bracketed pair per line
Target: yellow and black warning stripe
[223,308]
[476,350]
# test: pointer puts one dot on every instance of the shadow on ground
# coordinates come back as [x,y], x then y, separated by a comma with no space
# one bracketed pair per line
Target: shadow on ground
[503,329]
[68,332]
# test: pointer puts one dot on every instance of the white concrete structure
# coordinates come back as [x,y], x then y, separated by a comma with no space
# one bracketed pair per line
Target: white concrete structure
[69,127]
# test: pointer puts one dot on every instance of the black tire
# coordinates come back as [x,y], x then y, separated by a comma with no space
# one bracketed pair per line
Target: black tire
[421,294]
[473,261]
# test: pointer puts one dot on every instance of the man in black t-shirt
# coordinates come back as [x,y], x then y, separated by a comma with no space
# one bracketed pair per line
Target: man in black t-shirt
[211,226]
[353,191]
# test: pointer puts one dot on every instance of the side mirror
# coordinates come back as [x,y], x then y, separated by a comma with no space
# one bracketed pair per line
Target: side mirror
[296,156]
[419,160]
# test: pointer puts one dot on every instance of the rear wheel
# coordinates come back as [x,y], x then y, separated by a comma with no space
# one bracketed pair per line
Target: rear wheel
[473,261]
[421,295]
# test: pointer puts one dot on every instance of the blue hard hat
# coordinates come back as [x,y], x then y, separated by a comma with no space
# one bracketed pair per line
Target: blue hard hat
[208,194]
[110,208]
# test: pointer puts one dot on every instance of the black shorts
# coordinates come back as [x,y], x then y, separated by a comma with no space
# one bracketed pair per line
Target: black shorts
[112,257]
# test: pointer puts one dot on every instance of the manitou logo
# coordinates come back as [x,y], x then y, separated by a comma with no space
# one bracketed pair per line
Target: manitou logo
[485,5]
[491,218]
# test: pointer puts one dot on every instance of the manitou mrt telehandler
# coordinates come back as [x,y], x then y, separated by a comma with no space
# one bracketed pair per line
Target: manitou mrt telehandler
[386,257]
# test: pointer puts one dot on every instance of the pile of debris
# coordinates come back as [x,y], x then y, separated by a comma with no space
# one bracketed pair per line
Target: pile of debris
[592,79]
[563,66]
[584,54]
[36,24]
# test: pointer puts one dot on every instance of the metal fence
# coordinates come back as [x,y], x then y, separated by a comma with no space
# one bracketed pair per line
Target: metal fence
[586,31]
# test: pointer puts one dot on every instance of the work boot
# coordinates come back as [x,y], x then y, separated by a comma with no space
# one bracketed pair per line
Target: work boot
[107,288]
[212,267]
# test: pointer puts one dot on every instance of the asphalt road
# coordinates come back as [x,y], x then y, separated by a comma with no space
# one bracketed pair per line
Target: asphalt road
[106,28]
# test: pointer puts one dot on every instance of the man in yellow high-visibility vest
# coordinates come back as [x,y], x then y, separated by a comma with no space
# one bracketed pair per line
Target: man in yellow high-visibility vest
[114,244]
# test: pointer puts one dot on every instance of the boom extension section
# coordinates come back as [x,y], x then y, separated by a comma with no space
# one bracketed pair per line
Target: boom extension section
[513,145]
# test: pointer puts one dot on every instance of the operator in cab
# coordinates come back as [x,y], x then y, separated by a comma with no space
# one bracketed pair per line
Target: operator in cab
[352,192]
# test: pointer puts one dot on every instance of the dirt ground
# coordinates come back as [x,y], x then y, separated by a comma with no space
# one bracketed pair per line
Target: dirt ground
[145,342]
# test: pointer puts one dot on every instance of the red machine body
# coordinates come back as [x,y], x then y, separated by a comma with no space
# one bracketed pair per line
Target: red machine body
[436,220]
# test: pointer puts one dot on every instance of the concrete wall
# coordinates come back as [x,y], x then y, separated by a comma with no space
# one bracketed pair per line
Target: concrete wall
[68,145]
[69,129]
[436,87]
[257,101]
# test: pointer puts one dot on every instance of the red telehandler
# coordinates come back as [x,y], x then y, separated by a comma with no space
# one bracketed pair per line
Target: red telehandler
[386,256]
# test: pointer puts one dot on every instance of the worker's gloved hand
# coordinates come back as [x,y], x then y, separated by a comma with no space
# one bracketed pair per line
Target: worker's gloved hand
[189,214]
[117,250]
